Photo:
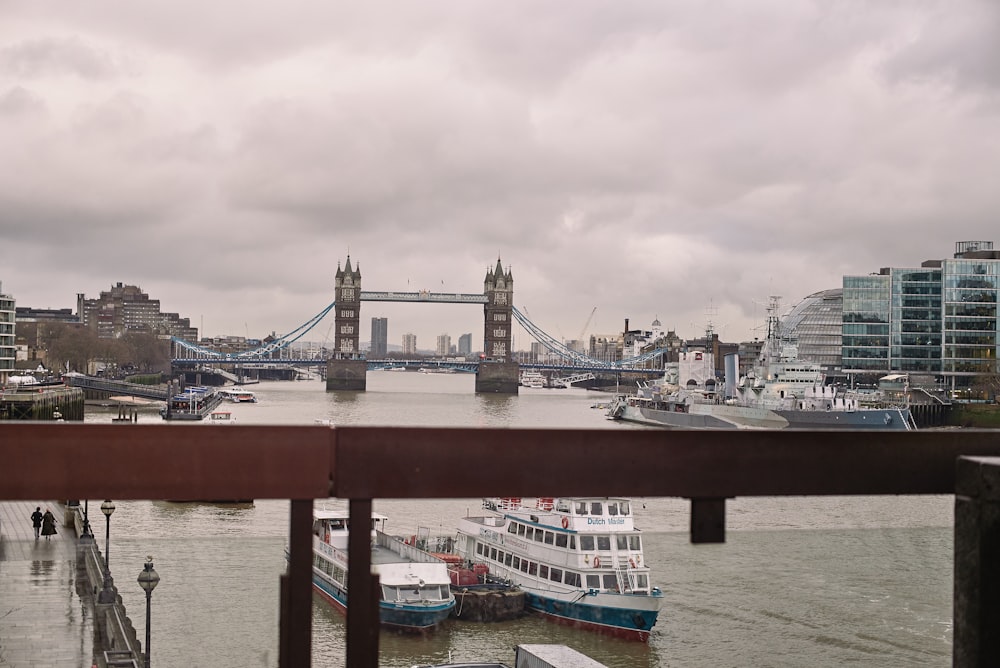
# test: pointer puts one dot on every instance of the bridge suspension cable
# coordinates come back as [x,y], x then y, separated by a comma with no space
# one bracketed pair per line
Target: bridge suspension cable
[559,348]
[263,351]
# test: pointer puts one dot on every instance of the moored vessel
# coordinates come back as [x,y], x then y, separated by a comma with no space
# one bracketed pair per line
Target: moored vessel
[578,560]
[781,391]
[194,403]
[415,591]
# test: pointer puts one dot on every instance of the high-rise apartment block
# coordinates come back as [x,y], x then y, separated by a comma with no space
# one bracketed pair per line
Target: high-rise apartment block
[409,344]
[380,338]
[443,345]
[124,309]
[7,348]
[465,344]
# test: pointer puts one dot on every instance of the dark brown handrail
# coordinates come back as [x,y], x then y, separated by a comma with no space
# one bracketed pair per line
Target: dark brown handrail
[302,463]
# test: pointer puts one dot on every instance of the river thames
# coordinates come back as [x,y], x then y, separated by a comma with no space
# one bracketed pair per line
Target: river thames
[865,581]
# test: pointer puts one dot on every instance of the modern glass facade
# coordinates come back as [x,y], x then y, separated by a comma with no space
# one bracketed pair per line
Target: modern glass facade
[816,323]
[938,319]
[970,344]
[866,324]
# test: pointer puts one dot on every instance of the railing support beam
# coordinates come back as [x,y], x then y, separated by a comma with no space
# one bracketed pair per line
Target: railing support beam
[708,520]
[976,608]
[363,589]
[295,628]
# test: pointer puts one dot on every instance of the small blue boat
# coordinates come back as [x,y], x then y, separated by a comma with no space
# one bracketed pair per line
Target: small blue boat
[415,586]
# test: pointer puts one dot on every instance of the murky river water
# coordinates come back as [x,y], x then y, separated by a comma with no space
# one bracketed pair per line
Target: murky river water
[799,582]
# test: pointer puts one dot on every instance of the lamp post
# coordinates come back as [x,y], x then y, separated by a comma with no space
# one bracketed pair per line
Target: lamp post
[86,519]
[106,595]
[148,580]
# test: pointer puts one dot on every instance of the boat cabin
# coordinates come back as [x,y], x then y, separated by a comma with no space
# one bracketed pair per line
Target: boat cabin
[332,526]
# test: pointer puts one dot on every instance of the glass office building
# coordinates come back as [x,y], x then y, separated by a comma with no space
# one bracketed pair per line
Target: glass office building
[937,319]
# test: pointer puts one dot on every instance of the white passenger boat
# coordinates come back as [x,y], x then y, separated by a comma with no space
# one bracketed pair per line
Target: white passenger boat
[532,378]
[239,395]
[578,560]
[415,586]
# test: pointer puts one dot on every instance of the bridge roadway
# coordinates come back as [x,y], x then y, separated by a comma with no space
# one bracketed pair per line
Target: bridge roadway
[468,366]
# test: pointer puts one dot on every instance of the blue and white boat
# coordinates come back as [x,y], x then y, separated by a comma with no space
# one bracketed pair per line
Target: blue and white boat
[578,560]
[416,588]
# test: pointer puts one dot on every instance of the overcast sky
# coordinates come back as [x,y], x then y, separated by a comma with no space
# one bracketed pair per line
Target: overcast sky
[679,160]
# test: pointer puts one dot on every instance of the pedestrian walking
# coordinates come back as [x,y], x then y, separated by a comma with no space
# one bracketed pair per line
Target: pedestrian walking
[48,524]
[36,520]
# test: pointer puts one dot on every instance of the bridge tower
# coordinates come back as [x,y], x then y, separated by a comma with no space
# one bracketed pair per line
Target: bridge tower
[346,369]
[497,371]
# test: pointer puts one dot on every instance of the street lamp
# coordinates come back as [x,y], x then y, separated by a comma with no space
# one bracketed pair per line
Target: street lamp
[107,595]
[148,580]
[86,519]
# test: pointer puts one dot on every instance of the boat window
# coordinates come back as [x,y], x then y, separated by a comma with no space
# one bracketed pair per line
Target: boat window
[593,581]
[634,543]
[621,542]
[572,579]
[479,548]
[499,555]
[586,542]
[612,508]
[625,508]
[506,559]
[524,565]
[520,529]
[572,542]
[516,563]
[596,508]
[603,542]
[543,572]
[561,540]
[511,528]
[529,532]
[539,535]
[493,553]
[641,581]
[610,582]
[532,568]
[581,508]
[555,575]
[548,537]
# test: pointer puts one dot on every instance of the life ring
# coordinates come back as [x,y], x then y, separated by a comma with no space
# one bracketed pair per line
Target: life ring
[631,562]
[597,562]
[565,522]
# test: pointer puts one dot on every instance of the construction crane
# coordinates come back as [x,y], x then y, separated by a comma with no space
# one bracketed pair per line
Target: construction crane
[586,324]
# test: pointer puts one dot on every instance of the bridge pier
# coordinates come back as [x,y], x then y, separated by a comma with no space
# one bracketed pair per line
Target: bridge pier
[346,374]
[498,377]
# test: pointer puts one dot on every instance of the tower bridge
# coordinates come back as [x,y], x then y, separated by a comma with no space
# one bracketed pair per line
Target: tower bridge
[346,367]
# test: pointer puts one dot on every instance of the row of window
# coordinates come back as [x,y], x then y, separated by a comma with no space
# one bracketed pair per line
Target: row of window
[574,579]
[588,542]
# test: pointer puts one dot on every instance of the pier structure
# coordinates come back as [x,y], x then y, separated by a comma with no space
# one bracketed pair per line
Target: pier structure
[496,372]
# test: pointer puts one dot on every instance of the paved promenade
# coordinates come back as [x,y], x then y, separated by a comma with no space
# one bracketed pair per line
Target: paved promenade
[44,619]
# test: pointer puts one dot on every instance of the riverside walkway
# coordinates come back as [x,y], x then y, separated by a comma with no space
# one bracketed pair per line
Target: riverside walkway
[46,602]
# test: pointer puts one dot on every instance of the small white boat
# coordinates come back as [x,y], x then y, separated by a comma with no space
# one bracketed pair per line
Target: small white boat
[533,379]
[239,395]
[415,586]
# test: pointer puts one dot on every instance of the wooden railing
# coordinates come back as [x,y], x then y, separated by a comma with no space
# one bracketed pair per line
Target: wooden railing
[364,463]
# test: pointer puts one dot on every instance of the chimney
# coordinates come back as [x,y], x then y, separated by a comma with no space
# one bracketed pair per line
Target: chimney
[626,325]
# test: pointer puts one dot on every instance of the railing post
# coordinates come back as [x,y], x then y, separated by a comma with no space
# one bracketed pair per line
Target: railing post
[295,627]
[708,520]
[362,589]
[976,608]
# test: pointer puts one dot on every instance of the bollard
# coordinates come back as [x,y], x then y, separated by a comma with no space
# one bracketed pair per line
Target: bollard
[976,606]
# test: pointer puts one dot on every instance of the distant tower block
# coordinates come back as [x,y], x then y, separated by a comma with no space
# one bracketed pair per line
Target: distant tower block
[497,373]
[347,368]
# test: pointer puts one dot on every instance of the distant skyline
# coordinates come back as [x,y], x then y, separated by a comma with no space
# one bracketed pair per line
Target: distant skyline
[672,160]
